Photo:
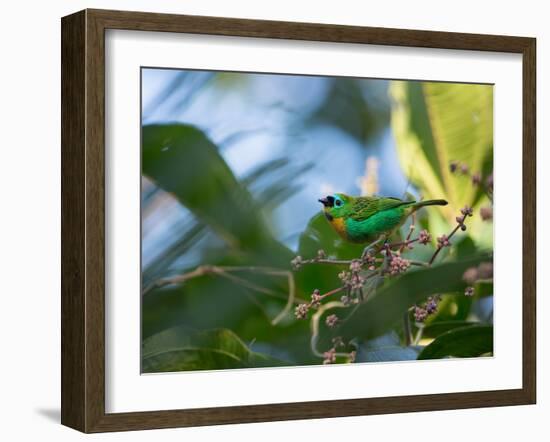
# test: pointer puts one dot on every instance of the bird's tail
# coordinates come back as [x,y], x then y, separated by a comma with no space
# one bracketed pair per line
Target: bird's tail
[420,204]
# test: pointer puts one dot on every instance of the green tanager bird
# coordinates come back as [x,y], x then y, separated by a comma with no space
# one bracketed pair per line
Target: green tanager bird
[367,219]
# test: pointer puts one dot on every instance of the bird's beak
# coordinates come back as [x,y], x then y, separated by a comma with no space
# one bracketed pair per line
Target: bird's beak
[327,202]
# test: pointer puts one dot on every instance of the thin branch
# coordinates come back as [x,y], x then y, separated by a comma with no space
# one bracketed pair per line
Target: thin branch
[179,279]
[290,301]
[403,244]
[411,230]
[332,292]
[326,261]
[247,284]
[440,247]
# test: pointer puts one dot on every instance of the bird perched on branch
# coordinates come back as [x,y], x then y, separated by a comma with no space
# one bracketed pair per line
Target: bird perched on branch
[369,219]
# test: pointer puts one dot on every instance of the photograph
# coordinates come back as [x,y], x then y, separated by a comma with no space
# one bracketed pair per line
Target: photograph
[254,221]
[297,220]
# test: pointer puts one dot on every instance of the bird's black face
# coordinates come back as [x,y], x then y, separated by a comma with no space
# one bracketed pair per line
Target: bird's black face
[328,201]
[335,201]
[335,205]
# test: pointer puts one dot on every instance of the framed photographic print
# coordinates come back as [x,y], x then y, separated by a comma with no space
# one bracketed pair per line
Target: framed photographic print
[269,220]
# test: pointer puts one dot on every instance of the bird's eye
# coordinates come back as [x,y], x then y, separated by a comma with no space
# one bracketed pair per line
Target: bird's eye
[338,203]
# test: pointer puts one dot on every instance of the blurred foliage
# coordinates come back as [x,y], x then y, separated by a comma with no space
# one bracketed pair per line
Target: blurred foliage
[361,112]
[216,321]
[184,162]
[435,124]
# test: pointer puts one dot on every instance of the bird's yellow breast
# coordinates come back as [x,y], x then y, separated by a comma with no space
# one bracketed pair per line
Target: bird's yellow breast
[339,225]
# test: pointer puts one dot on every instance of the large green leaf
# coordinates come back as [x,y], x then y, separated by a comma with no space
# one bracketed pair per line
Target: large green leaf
[436,328]
[435,123]
[178,349]
[183,161]
[386,308]
[463,342]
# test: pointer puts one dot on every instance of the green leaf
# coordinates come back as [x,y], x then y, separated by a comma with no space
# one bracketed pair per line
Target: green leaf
[183,161]
[436,123]
[380,312]
[465,247]
[464,342]
[483,289]
[178,349]
[320,235]
[437,328]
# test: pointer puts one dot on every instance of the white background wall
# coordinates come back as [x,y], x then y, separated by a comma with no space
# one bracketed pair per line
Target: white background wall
[30,217]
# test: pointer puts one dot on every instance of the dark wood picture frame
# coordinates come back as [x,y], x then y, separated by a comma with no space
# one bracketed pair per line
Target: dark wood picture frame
[83,220]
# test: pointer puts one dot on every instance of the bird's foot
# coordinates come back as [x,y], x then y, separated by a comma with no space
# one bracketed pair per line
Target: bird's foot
[371,249]
[367,252]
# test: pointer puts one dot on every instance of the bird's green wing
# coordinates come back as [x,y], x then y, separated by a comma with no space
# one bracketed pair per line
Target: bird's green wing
[366,206]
